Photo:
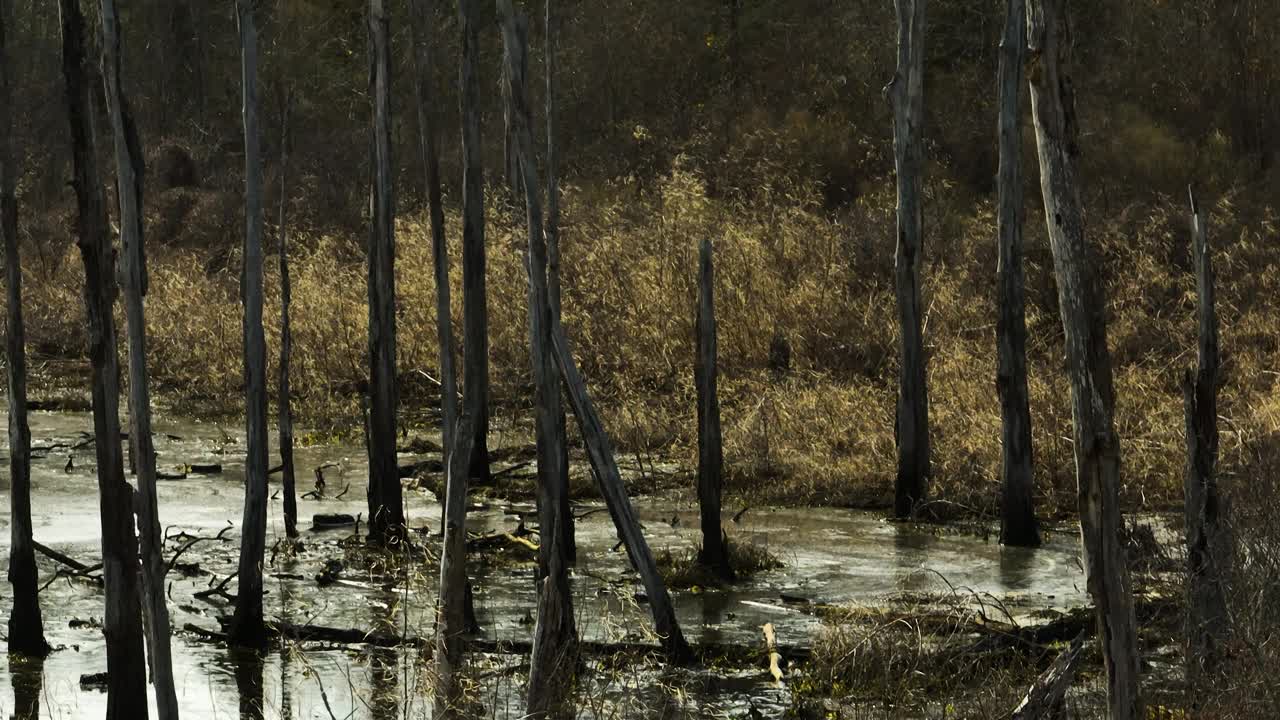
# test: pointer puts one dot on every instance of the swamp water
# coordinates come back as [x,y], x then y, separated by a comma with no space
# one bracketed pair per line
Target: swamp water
[829,556]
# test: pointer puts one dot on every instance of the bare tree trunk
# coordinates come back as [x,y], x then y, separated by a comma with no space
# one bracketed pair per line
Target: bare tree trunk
[386,504]
[567,540]
[475,314]
[288,475]
[1018,524]
[1097,446]
[451,616]
[439,243]
[511,143]
[247,626]
[554,656]
[26,626]
[122,619]
[907,93]
[714,554]
[1206,546]
[129,193]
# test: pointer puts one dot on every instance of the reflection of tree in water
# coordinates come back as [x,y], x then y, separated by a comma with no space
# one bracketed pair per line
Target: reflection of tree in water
[248,665]
[27,676]
[910,550]
[1016,564]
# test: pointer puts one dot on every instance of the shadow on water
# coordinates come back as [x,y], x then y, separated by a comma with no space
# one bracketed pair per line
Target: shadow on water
[248,666]
[27,676]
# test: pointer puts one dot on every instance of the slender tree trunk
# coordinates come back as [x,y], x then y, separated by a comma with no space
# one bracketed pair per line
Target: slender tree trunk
[475,315]
[1097,446]
[1018,524]
[511,143]
[907,93]
[26,627]
[451,616]
[1206,546]
[567,540]
[288,475]
[600,453]
[122,619]
[439,243]
[386,504]
[554,656]
[129,192]
[714,554]
[248,628]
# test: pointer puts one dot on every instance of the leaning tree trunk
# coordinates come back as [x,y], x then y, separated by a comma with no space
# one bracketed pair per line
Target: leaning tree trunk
[122,619]
[554,656]
[907,93]
[1097,446]
[451,616]
[1206,556]
[26,627]
[714,555]
[386,504]
[247,627]
[288,476]
[439,243]
[129,193]
[475,314]
[1018,524]
[570,545]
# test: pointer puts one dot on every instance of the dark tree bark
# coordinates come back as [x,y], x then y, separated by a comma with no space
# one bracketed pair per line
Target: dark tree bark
[451,619]
[122,619]
[439,244]
[129,179]
[26,626]
[1018,524]
[287,472]
[907,93]
[510,143]
[714,555]
[1206,544]
[554,656]
[386,504]
[475,314]
[567,539]
[248,628]
[1097,446]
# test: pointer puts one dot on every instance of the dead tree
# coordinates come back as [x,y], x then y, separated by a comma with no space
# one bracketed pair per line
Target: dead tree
[1097,446]
[247,625]
[475,314]
[510,143]
[553,256]
[287,474]
[129,179]
[26,626]
[906,91]
[1206,545]
[122,619]
[439,243]
[451,616]
[386,504]
[714,554]
[1018,524]
[555,637]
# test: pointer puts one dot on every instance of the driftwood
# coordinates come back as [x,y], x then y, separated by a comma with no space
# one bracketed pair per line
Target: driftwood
[1083,310]
[771,649]
[1018,524]
[126,660]
[1043,699]
[906,91]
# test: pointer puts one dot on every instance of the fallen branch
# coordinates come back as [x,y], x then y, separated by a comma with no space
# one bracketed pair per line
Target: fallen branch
[174,560]
[1048,690]
[67,560]
[219,590]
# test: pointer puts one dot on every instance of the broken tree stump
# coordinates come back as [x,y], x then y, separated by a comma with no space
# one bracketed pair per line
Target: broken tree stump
[1042,700]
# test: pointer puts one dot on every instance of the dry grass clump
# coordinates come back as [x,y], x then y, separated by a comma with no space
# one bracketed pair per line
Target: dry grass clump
[681,570]
[817,431]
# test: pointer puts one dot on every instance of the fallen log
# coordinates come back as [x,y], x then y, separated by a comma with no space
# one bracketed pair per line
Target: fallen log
[207,469]
[1045,695]
[67,560]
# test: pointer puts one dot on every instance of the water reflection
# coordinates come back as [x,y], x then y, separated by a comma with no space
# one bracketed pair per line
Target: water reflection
[1017,567]
[248,666]
[910,550]
[27,675]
